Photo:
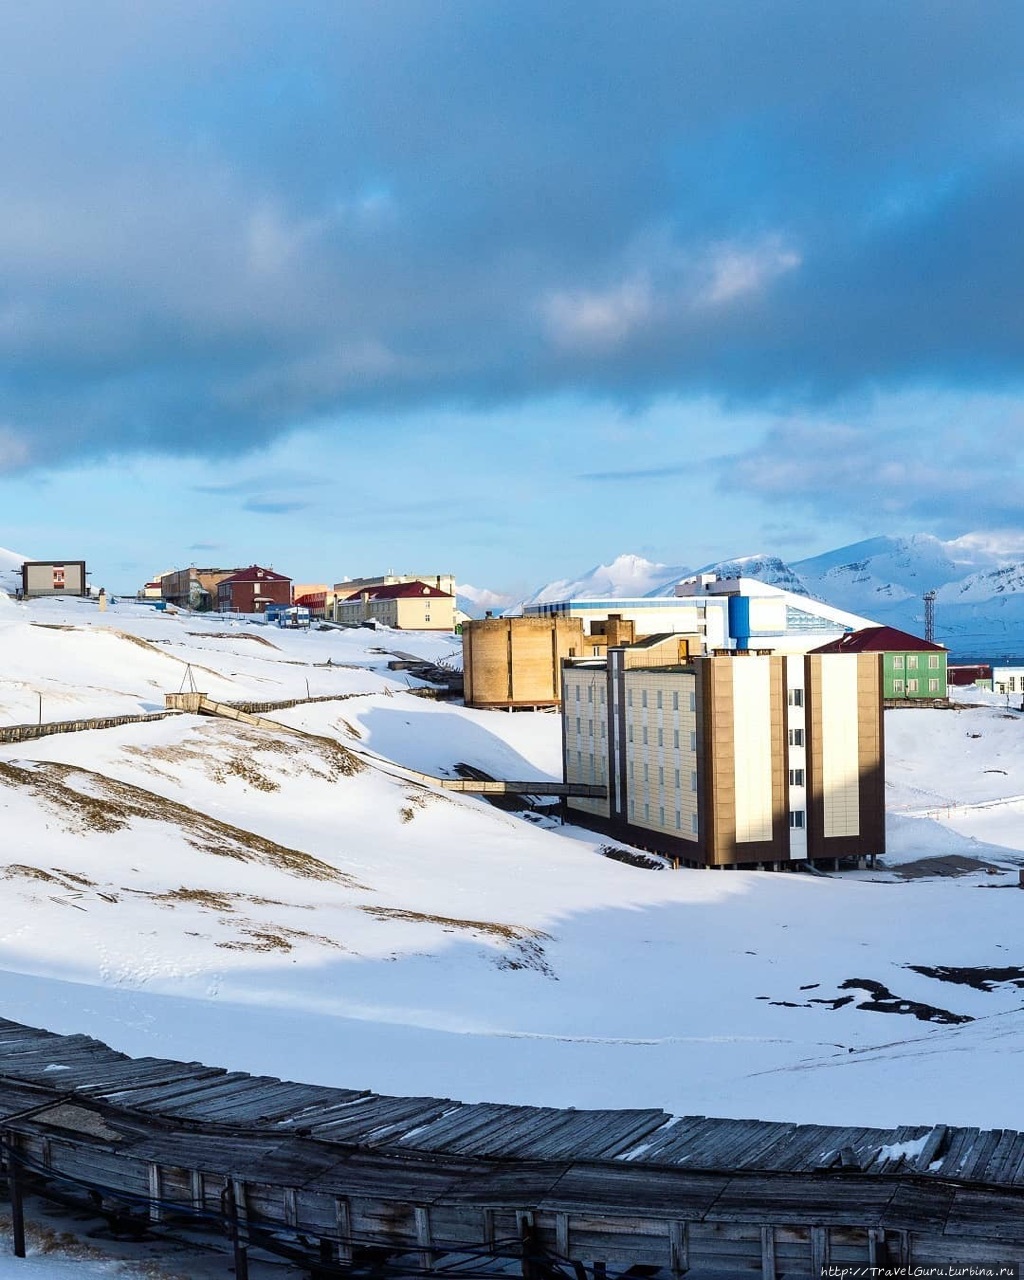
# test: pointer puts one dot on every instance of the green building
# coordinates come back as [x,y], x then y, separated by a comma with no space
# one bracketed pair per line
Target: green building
[911,667]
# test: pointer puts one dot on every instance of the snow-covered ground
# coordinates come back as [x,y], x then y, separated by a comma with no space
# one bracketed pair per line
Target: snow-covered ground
[269,903]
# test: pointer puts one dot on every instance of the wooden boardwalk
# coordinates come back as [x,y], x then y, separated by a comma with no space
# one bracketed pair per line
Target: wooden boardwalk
[338,1175]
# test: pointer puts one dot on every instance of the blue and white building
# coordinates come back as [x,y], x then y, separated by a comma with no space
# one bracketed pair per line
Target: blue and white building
[725,613]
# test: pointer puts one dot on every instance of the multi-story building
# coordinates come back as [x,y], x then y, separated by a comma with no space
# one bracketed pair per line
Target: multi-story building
[913,669]
[408,606]
[53,578]
[735,759]
[251,590]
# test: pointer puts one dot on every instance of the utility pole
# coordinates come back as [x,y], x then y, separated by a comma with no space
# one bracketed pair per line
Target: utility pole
[929,616]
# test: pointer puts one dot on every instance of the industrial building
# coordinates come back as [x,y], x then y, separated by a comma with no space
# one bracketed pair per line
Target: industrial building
[193,588]
[408,606]
[53,578]
[515,663]
[442,581]
[738,758]
[913,669]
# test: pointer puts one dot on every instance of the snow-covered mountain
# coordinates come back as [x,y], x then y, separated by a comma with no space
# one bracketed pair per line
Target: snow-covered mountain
[627,576]
[476,601]
[978,580]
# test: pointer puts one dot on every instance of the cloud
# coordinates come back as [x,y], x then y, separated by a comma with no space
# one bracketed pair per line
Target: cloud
[264,218]
[894,461]
[625,474]
[274,507]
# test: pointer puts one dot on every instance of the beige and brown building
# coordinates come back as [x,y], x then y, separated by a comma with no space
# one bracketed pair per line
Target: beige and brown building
[733,759]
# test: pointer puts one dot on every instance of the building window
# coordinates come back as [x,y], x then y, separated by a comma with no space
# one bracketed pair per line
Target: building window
[693,823]
[897,661]
[933,686]
[647,811]
[796,777]
[657,700]
[579,730]
[796,737]
[912,661]
[675,702]
[661,738]
[590,728]
[661,815]
[590,693]
[646,772]
[643,697]
[897,686]
[677,779]
[933,661]
[796,819]
[796,697]
[911,686]
[591,762]
[629,733]
[632,808]
[693,780]
[693,702]
[675,738]
[629,697]
[577,693]
[679,820]
[644,732]
[693,740]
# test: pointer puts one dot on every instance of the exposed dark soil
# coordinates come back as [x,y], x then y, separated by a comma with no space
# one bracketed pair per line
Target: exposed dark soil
[882,1000]
[631,858]
[981,979]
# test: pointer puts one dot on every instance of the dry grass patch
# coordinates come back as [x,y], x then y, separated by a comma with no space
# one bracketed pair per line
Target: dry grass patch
[524,946]
[85,801]
[233,635]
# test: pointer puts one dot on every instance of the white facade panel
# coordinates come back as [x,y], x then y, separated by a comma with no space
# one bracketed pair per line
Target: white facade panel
[752,738]
[840,745]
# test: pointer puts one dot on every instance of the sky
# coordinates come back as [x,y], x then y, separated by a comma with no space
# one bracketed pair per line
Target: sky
[505,289]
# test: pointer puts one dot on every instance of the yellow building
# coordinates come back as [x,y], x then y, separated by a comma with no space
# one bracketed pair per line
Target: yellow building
[407,606]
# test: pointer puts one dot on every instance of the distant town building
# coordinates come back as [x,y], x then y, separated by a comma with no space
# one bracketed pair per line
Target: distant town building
[913,668]
[409,606]
[729,759]
[251,590]
[193,588]
[727,613]
[964,674]
[442,581]
[1007,679]
[53,578]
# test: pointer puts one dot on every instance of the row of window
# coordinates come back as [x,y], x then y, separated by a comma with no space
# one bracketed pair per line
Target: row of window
[645,773]
[897,661]
[913,686]
[661,737]
[661,816]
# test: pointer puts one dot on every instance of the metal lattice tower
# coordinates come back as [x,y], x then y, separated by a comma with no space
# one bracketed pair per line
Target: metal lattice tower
[929,616]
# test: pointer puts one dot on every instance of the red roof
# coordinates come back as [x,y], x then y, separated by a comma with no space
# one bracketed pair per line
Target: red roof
[400,591]
[254,574]
[879,640]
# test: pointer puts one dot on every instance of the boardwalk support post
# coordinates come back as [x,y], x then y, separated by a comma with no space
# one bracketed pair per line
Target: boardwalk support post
[16,1192]
[238,1239]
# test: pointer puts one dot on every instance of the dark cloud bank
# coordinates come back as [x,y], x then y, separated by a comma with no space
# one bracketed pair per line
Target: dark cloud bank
[221,221]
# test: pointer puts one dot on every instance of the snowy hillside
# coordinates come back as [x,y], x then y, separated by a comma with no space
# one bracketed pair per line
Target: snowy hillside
[297,905]
[10,570]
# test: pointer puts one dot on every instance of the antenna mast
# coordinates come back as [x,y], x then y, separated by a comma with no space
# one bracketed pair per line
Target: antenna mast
[929,616]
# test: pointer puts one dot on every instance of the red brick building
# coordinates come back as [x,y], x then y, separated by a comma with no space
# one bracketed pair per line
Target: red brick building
[251,590]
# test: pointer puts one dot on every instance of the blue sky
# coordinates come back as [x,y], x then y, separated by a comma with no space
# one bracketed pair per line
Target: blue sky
[506,289]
